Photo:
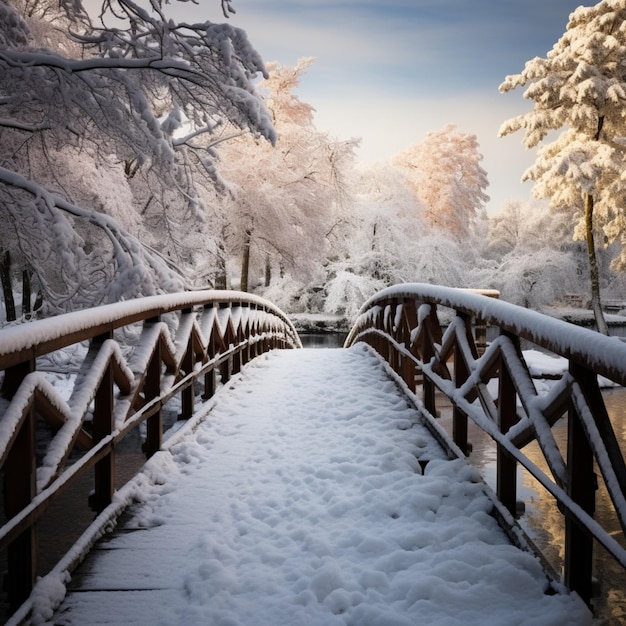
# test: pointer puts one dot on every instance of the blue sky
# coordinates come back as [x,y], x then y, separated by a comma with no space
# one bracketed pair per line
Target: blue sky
[389,72]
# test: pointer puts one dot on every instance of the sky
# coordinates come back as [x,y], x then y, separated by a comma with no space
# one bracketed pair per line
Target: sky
[390,72]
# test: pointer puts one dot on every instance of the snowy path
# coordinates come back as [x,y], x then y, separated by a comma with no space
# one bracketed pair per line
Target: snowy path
[300,501]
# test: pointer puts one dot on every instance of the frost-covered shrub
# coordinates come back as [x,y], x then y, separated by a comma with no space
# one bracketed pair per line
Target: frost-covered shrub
[536,278]
[288,294]
[346,292]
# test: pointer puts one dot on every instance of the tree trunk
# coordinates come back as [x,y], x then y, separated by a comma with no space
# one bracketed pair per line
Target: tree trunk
[38,301]
[220,279]
[594,273]
[268,271]
[26,294]
[245,261]
[7,288]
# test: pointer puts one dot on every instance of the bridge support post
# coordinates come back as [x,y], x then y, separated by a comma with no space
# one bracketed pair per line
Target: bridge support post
[581,488]
[104,470]
[19,490]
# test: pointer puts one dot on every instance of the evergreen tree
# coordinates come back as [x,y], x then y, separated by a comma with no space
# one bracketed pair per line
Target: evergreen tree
[579,89]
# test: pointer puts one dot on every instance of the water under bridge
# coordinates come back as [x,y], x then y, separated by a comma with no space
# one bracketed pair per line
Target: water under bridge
[308,487]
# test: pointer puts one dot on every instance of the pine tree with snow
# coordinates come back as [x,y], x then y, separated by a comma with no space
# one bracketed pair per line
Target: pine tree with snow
[579,89]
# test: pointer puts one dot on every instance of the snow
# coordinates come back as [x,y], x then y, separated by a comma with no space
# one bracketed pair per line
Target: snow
[544,365]
[28,336]
[605,355]
[324,501]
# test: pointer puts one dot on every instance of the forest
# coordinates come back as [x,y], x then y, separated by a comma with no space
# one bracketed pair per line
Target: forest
[141,156]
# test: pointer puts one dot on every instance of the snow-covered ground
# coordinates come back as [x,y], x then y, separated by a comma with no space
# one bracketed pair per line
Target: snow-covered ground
[301,500]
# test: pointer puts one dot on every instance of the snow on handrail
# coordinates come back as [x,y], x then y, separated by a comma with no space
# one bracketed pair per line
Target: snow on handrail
[606,355]
[454,359]
[115,391]
[60,331]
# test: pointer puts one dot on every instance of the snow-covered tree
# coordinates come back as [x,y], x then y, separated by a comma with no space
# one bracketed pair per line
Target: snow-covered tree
[384,240]
[528,225]
[580,90]
[129,94]
[375,237]
[280,203]
[445,173]
[533,278]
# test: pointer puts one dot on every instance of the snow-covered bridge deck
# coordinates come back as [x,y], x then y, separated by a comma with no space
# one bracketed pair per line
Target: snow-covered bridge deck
[309,493]
[356,527]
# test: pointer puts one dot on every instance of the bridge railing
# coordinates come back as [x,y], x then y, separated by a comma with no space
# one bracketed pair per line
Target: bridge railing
[130,359]
[433,338]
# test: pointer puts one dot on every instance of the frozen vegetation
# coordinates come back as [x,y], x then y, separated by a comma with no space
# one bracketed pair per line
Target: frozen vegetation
[205,169]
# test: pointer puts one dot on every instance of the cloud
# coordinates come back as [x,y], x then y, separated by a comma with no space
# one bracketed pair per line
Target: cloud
[424,44]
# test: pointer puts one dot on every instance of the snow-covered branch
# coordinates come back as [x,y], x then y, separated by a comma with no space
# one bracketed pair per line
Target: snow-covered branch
[136,269]
[47,59]
[17,125]
[127,95]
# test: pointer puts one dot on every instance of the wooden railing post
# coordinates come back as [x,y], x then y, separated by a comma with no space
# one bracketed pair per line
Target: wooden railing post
[152,390]
[226,364]
[480,335]
[253,325]
[211,351]
[237,360]
[506,466]
[409,319]
[19,490]
[104,470]
[225,370]
[187,394]
[581,488]
[393,356]
[245,356]
[209,384]
[428,352]
[461,374]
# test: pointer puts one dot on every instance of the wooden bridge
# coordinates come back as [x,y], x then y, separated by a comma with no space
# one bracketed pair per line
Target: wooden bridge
[133,361]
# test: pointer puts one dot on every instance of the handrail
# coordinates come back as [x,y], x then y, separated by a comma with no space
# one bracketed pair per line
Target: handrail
[403,325]
[179,342]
